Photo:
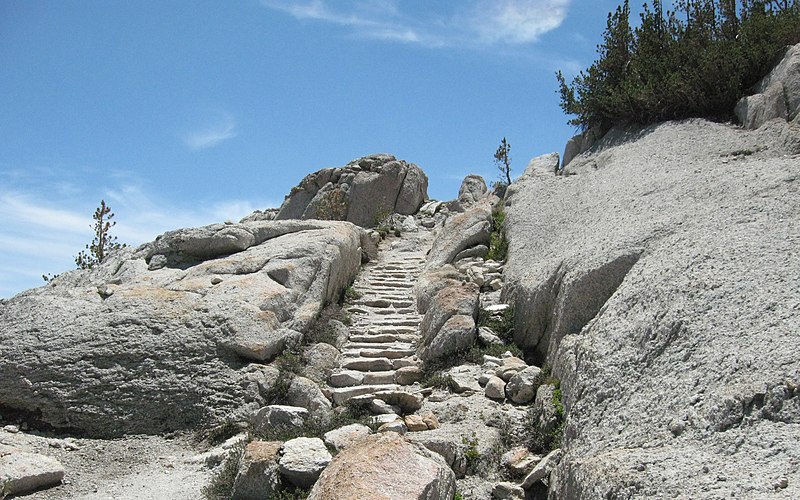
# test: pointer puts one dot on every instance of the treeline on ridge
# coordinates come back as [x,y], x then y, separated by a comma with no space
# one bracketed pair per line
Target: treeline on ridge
[695,61]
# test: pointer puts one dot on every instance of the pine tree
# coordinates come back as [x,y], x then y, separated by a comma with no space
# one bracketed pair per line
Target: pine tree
[503,162]
[103,243]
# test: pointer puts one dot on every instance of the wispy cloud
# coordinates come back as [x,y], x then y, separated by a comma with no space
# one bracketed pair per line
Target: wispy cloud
[40,235]
[517,21]
[211,134]
[473,22]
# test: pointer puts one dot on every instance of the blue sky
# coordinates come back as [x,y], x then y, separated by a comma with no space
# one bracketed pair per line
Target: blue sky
[182,113]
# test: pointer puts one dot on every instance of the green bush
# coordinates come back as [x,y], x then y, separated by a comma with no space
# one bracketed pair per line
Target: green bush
[221,484]
[498,244]
[696,61]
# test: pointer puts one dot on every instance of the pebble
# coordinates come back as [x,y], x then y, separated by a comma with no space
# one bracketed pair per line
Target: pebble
[13,429]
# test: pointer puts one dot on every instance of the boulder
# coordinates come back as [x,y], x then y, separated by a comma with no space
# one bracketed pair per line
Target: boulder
[302,461]
[307,394]
[386,466]
[22,472]
[361,192]
[495,388]
[432,282]
[456,335]
[519,461]
[258,475]
[473,189]
[279,416]
[448,324]
[414,423]
[163,348]
[776,96]
[320,361]
[521,387]
[346,436]
[460,232]
[669,331]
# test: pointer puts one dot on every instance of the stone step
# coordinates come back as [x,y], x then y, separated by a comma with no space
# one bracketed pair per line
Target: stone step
[387,329]
[379,345]
[395,322]
[367,364]
[383,303]
[342,394]
[381,338]
[352,378]
[378,353]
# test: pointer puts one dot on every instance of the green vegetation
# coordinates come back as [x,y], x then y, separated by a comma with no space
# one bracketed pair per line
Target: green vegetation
[457,496]
[471,453]
[351,293]
[498,246]
[102,244]
[696,61]
[502,325]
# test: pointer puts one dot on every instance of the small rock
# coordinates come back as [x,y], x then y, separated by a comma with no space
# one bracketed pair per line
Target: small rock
[521,387]
[430,419]
[70,444]
[495,388]
[507,491]
[483,378]
[414,423]
[383,419]
[397,426]
[216,280]
[13,429]
[496,284]
[381,407]
[676,427]
[492,359]
[782,483]
[303,460]
[488,337]
[542,469]
[519,460]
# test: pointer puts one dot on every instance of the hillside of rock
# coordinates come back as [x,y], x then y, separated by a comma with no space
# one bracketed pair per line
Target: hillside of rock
[172,335]
[658,276]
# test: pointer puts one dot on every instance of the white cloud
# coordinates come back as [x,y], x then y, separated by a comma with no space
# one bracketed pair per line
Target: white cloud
[517,21]
[42,234]
[211,134]
[470,23]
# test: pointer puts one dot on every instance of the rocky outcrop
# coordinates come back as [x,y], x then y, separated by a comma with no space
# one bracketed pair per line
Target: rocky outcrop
[361,192]
[462,231]
[777,95]
[473,189]
[579,144]
[655,279]
[389,467]
[165,336]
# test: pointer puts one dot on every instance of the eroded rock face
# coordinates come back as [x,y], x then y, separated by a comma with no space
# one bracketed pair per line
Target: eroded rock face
[362,192]
[777,95]
[162,337]
[389,467]
[655,282]
[449,323]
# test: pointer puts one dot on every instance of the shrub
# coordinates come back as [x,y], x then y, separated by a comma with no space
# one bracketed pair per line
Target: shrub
[696,61]
[103,243]
[503,161]
[498,244]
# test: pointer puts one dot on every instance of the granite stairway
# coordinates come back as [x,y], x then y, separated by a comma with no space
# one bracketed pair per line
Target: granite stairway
[378,364]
